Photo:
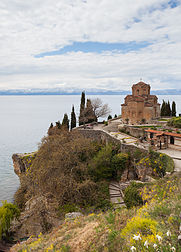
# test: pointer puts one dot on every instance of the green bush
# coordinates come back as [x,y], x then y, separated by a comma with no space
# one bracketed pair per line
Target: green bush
[132,196]
[175,122]
[109,117]
[100,167]
[107,164]
[119,163]
[68,208]
[8,212]
[167,162]
[161,162]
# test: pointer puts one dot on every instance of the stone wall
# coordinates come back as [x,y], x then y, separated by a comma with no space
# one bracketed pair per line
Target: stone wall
[133,131]
[98,135]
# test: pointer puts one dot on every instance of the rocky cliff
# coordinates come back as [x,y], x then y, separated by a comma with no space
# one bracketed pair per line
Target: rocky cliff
[22,162]
[39,213]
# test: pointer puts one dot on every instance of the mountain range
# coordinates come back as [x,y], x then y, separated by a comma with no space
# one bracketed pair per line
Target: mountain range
[57,91]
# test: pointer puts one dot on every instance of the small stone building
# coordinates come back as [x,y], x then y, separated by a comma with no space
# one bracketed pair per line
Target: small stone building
[140,107]
[163,139]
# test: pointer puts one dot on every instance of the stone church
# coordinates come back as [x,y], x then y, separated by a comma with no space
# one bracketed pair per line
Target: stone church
[140,107]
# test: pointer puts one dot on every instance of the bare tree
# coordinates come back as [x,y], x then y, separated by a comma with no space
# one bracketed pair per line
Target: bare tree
[100,109]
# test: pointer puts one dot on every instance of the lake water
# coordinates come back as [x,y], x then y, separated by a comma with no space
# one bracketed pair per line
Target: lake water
[24,120]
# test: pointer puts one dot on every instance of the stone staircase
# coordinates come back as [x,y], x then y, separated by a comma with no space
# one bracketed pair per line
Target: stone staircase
[112,126]
[116,193]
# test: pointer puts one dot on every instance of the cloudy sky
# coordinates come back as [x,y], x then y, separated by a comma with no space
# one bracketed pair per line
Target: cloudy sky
[90,44]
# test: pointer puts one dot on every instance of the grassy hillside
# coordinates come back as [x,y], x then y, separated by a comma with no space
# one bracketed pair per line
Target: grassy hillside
[152,227]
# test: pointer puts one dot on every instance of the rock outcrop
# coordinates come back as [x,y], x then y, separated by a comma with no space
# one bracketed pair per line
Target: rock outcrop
[39,216]
[22,162]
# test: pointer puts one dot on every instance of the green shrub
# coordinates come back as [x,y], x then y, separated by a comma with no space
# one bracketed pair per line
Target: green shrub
[167,161]
[8,212]
[107,164]
[175,122]
[68,208]
[132,196]
[100,167]
[119,163]
[102,200]
[161,163]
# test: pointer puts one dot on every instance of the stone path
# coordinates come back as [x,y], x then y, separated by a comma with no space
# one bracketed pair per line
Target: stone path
[124,137]
[113,131]
[176,155]
[177,163]
[116,192]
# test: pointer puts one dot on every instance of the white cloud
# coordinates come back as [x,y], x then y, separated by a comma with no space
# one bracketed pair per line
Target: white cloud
[31,27]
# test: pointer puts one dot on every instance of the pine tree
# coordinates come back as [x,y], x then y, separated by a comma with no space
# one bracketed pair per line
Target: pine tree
[73,118]
[65,121]
[82,108]
[109,117]
[173,108]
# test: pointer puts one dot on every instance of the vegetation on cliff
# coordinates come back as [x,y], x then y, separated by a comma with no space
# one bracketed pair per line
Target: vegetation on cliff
[8,212]
[74,170]
[159,163]
[155,226]
[72,173]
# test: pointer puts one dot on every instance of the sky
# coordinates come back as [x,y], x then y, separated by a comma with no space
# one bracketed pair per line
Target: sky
[90,44]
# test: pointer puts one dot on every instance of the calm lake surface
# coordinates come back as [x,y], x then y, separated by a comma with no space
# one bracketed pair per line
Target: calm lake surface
[24,120]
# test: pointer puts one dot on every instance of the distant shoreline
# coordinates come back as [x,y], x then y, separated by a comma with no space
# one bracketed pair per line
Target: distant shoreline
[88,93]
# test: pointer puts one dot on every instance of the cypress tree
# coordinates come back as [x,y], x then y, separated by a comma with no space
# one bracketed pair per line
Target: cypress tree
[58,125]
[168,109]
[163,108]
[82,108]
[65,121]
[89,113]
[50,129]
[73,118]
[173,108]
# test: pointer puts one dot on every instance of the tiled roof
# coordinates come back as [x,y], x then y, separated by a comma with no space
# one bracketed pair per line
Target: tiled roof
[141,83]
[164,132]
